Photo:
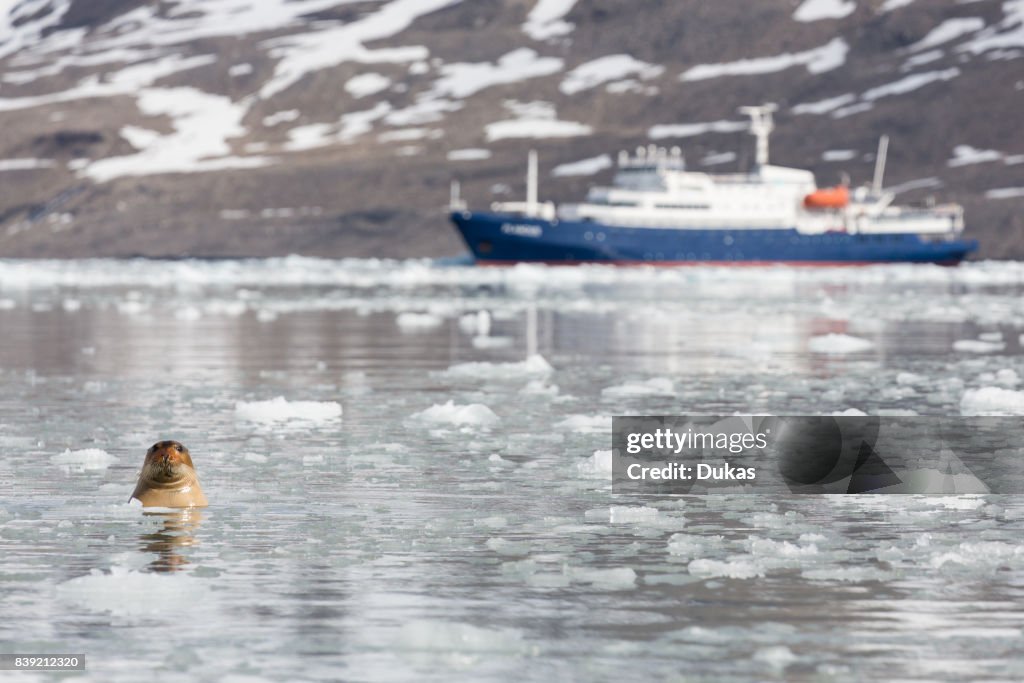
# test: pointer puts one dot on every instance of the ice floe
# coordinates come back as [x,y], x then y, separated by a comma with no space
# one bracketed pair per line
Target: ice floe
[282,410]
[992,401]
[977,346]
[838,344]
[656,386]
[534,365]
[450,413]
[126,593]
[597,466]
[84,460]
[587,424]
[416,322]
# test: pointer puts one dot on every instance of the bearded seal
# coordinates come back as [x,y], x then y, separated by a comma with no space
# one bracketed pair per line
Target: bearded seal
[168,478]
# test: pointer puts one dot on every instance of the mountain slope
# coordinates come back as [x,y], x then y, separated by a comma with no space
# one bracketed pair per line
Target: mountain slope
[333,127]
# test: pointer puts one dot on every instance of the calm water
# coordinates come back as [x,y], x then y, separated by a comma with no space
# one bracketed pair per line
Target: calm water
[404,541]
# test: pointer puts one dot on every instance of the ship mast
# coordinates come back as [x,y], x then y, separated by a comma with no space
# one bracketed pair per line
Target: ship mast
[761,127]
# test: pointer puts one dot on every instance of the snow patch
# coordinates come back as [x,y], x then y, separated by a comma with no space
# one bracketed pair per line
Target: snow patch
[366,84]
[819,60]
[965,155]
[949,30]
[583,167]
[838,154]
[910,83]
[606,69]
[461,80]
[546,19]
[24,164]
[824,106]
[534,120]
[816,10]
[687,130]
[1005,193]
[203,123]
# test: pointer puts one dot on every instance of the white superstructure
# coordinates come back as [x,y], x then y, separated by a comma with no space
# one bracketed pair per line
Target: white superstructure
[653,189]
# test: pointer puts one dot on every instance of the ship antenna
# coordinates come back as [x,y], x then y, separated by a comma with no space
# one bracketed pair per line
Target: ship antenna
[531,184]
[761,127]
[883,152]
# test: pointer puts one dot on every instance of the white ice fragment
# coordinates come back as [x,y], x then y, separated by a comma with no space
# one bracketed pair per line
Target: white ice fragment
[587,424]
[86,459]
[734,569]
[280,410]
[450,413]
[597,466]
[837,344]
[534,365]
[416,322]
[992,401]
[656,386]
[628,514]
[977,346]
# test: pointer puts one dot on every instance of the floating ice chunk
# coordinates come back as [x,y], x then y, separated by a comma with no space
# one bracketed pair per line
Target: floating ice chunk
[127,593]
[508,548]
[534,365]
[86,459]
[977,346]
[734,569]
[657,386]
[992,401]
[628,514]
[837,344]
[472,414]
[1007,377]
[816,10]
[849,574]
[587,424]
[693,545]
[597,466]
[281,410]
[991,336]
[909,378]
[415,322]
[849,412]
[777,656]
[188,313]
[483,342]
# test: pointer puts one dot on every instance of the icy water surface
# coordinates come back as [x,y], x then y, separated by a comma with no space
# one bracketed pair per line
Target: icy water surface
[411,538]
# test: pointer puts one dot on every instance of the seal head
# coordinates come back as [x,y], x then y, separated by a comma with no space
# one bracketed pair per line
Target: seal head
[168,478]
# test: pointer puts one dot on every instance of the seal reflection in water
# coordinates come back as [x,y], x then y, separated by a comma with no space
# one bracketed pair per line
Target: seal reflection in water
[168,478]
[178,532]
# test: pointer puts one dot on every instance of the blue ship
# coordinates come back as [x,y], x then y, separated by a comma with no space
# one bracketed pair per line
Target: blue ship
[658,212]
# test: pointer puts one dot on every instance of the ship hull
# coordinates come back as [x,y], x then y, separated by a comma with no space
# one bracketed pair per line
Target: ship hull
[507,238]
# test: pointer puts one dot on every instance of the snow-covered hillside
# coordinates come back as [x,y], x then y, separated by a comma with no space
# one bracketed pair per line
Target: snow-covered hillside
[228,127]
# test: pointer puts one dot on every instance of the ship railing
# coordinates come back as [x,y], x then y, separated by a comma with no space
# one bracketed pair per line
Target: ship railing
[544,210]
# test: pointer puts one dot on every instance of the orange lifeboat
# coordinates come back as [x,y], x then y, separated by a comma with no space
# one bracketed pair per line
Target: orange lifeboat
[828,198]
